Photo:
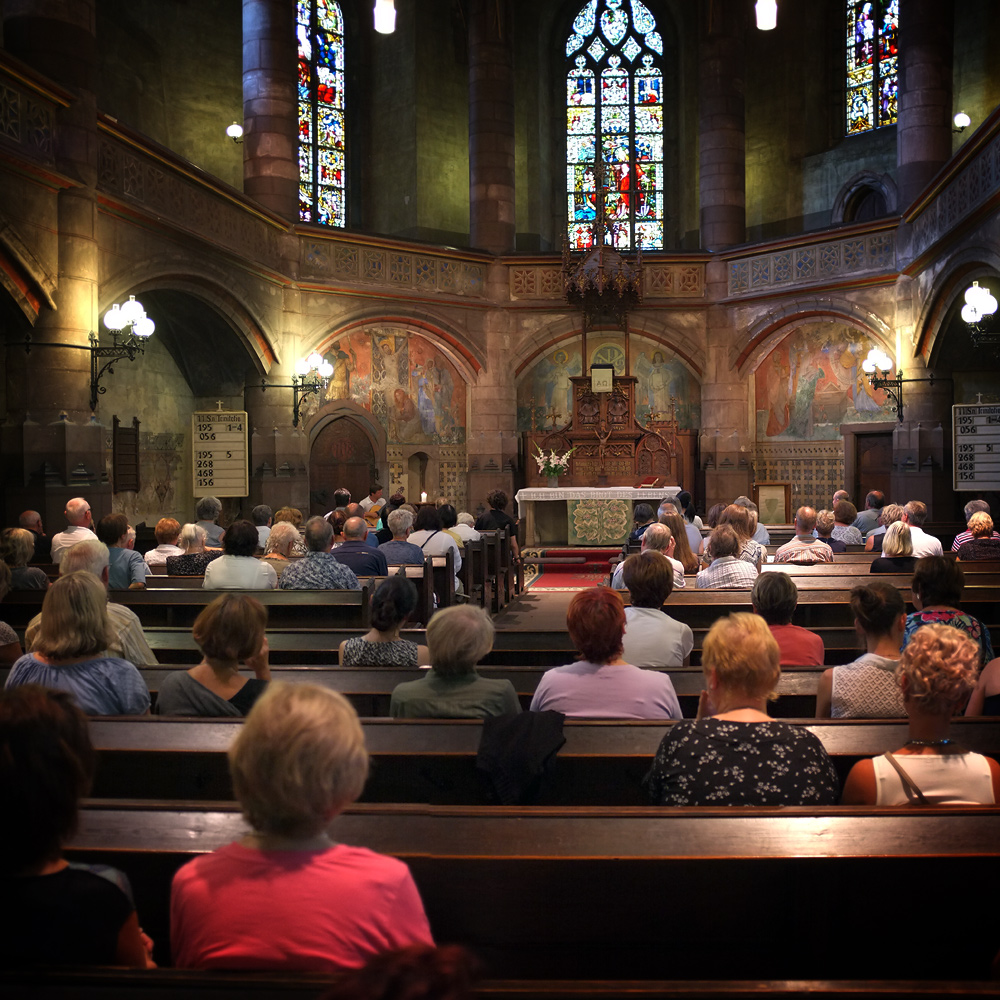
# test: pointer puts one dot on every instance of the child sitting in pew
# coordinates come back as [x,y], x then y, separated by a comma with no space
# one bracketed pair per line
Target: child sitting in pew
[287,896]
[57,913]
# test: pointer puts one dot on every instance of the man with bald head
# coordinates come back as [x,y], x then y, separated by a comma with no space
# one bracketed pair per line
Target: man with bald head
[31,521]
[804,547]
[656,538]
[127,640]
[80,521]
[356,554]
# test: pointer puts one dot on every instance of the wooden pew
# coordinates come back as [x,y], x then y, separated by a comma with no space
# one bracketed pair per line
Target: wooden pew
[180,607]
[786,893]
[132,984]
[434,760]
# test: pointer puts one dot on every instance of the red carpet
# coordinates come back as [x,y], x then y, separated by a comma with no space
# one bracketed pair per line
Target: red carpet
[569,576]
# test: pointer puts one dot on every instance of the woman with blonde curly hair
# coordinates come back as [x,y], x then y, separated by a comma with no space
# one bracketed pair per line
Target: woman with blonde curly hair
[936,674]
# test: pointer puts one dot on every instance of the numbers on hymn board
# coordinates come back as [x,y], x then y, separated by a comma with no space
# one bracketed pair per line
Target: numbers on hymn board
[966,425]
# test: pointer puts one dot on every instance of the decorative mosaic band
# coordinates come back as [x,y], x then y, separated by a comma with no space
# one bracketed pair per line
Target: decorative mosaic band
[976,182]
[544,281]
[393,268]
[820,262]
[26,121]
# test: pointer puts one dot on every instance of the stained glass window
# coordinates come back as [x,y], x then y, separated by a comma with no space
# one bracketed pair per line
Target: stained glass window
[320,32]
[614,103]
[872,55]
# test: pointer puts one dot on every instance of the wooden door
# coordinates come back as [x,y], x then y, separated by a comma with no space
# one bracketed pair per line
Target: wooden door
[341,456]
[873,464]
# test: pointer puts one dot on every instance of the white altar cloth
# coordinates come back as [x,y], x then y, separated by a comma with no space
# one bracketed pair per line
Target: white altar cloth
[548,524]
[547,493]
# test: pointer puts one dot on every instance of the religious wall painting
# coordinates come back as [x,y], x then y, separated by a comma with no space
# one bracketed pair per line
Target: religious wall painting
[545,389]
[812,382]
[666,388]
[404,380]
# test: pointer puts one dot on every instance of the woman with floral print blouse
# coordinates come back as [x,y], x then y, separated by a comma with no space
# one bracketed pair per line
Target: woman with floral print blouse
[733,753]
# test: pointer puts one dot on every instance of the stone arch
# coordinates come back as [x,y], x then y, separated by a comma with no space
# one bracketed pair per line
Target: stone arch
[972,264]
[226,304]
[345,446]
[865,196]
[768,331]
[30,284]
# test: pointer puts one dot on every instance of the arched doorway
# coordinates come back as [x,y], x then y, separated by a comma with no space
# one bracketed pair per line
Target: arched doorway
[341,456]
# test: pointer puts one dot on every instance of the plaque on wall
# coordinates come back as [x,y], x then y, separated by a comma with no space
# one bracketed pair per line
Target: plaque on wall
[976,431]
[219,453]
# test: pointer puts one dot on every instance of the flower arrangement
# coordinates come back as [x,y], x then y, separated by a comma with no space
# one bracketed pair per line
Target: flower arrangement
[552,464]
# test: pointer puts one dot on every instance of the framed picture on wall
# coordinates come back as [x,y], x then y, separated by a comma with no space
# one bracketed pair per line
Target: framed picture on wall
[774,502]
[602,378]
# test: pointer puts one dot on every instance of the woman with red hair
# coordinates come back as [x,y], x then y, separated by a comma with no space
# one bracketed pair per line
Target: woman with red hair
[602,685]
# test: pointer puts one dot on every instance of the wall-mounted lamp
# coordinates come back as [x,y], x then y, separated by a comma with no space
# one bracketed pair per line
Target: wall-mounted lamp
[235,132]
[311,377]
[767,14]
[980,304]
[877,366]
[962,122]
[129,317]
[385,16]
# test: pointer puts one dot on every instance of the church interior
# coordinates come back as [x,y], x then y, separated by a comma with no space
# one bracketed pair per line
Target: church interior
[409,258]
[778,249]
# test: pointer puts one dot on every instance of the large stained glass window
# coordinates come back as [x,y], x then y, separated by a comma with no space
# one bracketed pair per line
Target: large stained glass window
[614,105]
[320,31]
[872,54]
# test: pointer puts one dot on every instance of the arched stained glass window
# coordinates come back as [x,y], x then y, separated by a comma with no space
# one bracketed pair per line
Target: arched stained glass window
[872,55]
[320,32]
[614,103]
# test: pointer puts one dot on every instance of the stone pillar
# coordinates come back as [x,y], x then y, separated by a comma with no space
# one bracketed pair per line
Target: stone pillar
[492,431]
[53,448]
[491,127]
[722,126]
[725,455]
[270,109]
[923,129]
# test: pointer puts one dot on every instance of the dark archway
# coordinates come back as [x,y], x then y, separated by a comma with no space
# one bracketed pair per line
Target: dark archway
[341,456]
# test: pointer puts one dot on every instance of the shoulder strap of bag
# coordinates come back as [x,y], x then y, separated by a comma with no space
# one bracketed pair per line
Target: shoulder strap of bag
[908,783]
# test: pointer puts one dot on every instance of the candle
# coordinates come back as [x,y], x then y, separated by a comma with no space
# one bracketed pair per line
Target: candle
[423,497]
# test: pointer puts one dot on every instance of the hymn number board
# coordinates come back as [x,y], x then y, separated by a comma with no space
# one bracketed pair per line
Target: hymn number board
[977,447]
[219,453]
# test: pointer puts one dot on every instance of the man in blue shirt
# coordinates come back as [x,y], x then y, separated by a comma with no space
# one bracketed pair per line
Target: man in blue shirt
[399,550]
[357,554]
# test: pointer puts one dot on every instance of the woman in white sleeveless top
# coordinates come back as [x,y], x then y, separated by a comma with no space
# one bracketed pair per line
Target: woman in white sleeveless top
[936,673]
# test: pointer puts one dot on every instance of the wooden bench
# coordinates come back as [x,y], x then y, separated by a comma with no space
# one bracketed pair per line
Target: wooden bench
[434,760]
[74,984]
[788,893]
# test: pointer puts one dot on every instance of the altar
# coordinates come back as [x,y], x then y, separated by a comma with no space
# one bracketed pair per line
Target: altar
[582,515]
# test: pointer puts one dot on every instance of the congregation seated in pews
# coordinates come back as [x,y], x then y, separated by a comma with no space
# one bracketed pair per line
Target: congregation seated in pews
[739,703]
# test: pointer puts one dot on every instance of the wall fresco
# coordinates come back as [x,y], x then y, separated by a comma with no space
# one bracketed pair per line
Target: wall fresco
[812,382]
[406,383]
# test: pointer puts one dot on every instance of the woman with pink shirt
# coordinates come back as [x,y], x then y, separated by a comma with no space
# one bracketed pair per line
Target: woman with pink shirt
[287,896]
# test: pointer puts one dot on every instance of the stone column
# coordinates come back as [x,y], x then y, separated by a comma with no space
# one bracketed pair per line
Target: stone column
[724,403]
[491,127]
[270,107]
[722,126]
[53,448]
[492,431]
[923,129]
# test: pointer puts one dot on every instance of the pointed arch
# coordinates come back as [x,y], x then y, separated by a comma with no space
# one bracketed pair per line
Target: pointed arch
[614,105]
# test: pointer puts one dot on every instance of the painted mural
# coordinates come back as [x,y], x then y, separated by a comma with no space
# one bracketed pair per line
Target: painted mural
[409,386]
[812,382]
[665,386]
[546,384]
